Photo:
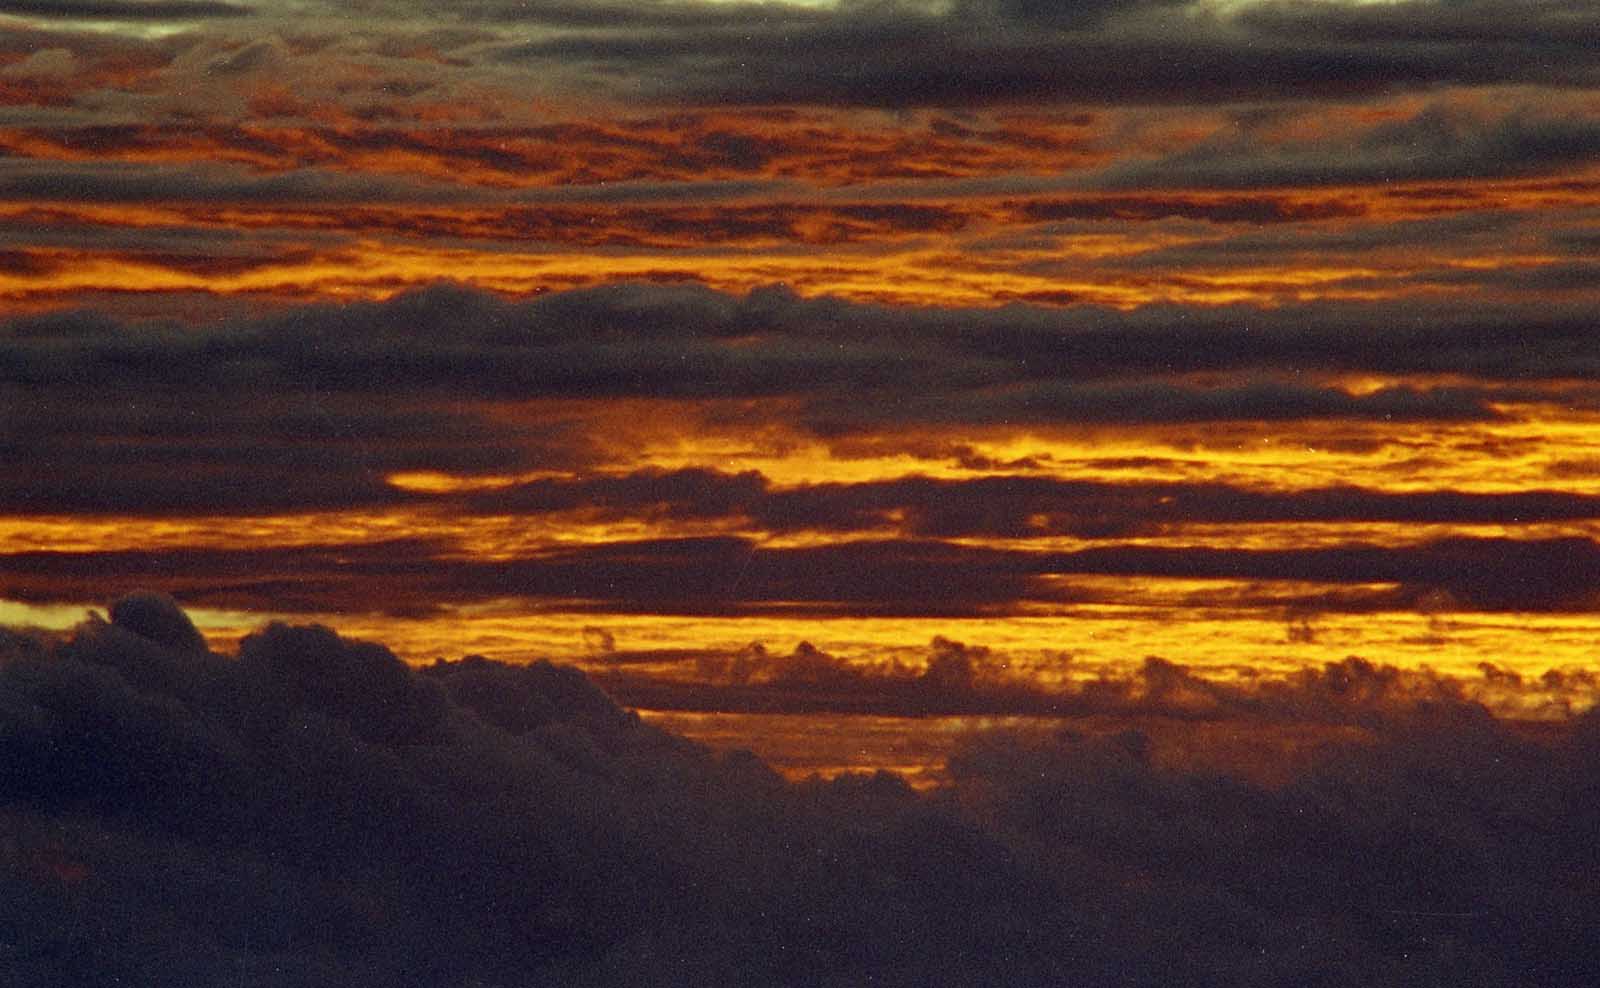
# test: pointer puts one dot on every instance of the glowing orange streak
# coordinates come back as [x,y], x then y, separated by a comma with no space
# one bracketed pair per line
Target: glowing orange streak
[374,270]
[830,149]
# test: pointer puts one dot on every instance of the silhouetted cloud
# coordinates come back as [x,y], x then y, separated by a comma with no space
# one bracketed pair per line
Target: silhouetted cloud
[1006,506]
[727,575]
[124,10]
[135,449]
[993,53]
[276,412]
[1436,144]
[688,341]
[313,809]
[952,679]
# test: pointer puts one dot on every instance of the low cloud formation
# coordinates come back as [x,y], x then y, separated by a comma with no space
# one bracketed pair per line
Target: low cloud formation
[952,679]
[312,811]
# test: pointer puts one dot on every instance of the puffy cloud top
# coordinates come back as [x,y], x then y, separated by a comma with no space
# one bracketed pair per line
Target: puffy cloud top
[315,810]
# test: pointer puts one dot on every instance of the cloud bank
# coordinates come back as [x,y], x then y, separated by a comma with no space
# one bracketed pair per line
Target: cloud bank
[278,412]
[313,809]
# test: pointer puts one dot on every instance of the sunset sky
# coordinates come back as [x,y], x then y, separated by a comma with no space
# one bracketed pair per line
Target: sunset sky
[916,493]
[788,357]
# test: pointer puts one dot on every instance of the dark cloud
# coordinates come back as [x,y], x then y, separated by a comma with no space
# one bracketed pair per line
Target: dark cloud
[305,578]
[447,342]
[1425,21]
[686,341]
[125,10]
[1413,823]
[1046,14]
[1547,280]
[1251,209]
[676,494]
[1480,573]
[322,771]
[1436,144]
[877,577]
[656,14]
[314,810]
[730,575]
[140,450]
[1008,506]
[97,182]
[679,226]
[1272,246]
[985,53]
[954,679]
[314,406]
[951,679]
[1161,403]
[157,617]
[678,576]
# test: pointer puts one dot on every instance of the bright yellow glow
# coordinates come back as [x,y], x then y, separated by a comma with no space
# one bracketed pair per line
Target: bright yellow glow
[433,482]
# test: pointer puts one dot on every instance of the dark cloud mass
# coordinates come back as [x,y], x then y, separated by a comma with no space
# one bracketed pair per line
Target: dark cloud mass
[1433,145]
[312,810]
[987,53]
[257,451]
[1008,506]
[686,341]
[278,413]
[880,577]
[126,10]
[958,680]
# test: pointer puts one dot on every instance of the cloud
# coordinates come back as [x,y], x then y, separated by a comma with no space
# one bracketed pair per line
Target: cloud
[157,617]
[327,757]
[713,575]
[1482,573]
[101,182]
[1004,506]
[133,447]
[277,412]
[52,63]
[911,173]
[1424,21]
[125,10]
[472,821]
[1252,209]
[951,679]
[973,53]
[998,53]
[1387,844]
[1038,14]
[879,577]
[617,340]
[1439,143]
[1162,402]
[690,342]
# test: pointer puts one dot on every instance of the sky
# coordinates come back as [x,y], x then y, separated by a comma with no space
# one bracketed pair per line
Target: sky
[1128,471]
[1248,336]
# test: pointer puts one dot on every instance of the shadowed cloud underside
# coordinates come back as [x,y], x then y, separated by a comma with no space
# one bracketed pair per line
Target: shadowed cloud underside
[319,771]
